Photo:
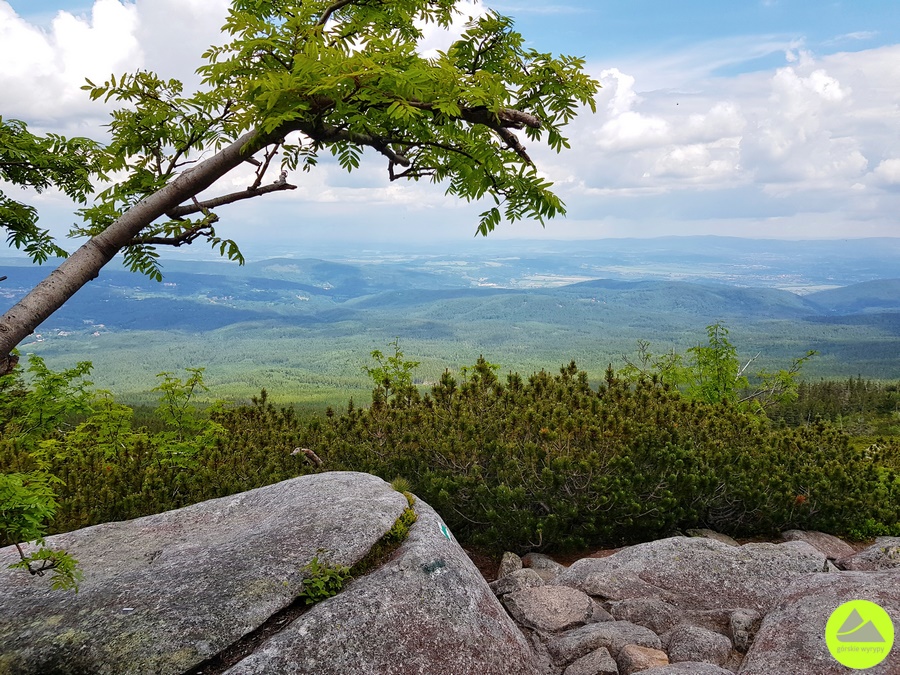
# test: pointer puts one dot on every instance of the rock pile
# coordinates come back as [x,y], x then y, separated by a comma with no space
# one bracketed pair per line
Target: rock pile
[214,588]
[698,605]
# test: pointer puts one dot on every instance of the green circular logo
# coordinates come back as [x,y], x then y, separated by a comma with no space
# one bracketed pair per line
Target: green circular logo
[859,634]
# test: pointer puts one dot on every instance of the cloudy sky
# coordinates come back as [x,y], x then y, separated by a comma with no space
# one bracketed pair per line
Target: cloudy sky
[761,118]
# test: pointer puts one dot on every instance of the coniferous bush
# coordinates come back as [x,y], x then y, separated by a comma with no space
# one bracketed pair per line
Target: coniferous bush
[545,462]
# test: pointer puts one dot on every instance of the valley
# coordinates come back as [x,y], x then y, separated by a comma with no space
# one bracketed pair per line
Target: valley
[303,327]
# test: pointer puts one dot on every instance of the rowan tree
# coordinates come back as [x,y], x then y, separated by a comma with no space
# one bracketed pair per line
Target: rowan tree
[294,80]
[41,162]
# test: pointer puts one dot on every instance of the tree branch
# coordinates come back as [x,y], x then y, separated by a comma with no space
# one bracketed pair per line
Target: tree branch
[332,134]
[262,168]
[187,237]
[512,141]
[198,207]
[326,15]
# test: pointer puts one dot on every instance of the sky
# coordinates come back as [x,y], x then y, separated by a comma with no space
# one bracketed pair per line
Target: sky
[751,118]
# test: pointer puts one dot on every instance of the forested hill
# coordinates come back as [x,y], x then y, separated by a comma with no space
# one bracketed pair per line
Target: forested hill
[310,323]
[311,291]
[868,296]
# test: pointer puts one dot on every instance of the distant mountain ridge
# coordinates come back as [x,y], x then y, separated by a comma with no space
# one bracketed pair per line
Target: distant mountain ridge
[312,290]
[305,325]
[867,296]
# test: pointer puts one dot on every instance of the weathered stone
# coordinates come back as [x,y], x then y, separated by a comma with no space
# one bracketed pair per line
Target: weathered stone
[712,534]
[509,563]
[716,620]
[828,544]
[692,643]
[884,554]
[696,573]
[544,660]
[612,584]
[549,608]
[688,668]
[600,613]
[162,593]
[544,565]
[655,614]
[634,659]
[516,581]
[791,639]
[427,610]
[613,635]
[743,626]
[598,662]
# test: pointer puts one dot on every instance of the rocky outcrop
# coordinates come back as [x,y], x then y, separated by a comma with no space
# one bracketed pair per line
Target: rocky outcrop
[884,554]
[696,573]
[703,606]
[167,593]
[832,547]
[427,610]
[217,588]
[791,639]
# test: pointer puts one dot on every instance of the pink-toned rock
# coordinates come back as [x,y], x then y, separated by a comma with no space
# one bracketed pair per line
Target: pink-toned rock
[884,554]
[655,614]
[598,662]
[508,564]
[828,544]
[516,581]
[791,639]
[544,565]
[688,668]
[549,608]
[692,643]
[634,659]
[712,534]
[696,573]
[614,635]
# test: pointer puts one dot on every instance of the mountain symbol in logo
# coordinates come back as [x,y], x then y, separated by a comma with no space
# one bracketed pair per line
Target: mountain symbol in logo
[857,629]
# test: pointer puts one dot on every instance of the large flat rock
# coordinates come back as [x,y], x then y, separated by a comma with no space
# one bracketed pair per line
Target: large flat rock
[162,593]
[696,572]
[428,610]
[791,639]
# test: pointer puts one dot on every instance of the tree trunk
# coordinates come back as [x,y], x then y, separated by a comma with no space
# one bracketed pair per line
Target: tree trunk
[85,263]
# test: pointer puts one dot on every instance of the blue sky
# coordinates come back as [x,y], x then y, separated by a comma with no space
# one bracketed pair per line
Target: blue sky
[767,118]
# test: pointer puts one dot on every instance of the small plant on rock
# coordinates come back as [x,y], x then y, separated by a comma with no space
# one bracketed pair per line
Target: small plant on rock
[322,580]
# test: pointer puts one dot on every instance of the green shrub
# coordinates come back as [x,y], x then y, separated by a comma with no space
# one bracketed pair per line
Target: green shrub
[322,580]
[553,463]
[546,462]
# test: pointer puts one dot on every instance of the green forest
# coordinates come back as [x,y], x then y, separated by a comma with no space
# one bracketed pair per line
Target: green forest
[547,461]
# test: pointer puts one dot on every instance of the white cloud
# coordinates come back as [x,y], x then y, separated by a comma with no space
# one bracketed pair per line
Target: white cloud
[677,135]
[887,173]
[435,38]
[43,70]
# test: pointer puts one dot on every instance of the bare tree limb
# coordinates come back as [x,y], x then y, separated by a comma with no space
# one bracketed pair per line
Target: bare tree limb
[746,365]
[262,168]
[198,207]
[310,455]
[513,142]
